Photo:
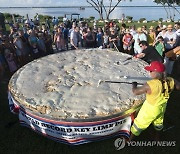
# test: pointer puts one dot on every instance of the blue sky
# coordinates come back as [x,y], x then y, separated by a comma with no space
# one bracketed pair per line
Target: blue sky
[28,3]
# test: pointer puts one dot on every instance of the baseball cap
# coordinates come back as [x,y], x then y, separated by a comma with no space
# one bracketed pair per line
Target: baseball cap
[155,66]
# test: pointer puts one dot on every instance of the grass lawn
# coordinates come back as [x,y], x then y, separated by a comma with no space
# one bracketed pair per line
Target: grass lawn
[148,24]
[15,139]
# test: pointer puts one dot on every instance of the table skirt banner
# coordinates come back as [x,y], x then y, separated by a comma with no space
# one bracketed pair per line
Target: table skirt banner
[73,133]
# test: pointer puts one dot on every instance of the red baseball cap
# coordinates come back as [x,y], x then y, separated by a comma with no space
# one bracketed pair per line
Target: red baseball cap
[155,66]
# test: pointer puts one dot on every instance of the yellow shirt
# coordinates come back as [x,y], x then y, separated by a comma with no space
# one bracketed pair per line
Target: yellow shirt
[159,95]
[151,38]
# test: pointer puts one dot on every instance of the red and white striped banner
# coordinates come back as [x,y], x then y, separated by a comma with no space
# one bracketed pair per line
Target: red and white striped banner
[74,133]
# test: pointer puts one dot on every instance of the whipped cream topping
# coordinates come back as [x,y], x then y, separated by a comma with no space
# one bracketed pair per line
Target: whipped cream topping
[72,84]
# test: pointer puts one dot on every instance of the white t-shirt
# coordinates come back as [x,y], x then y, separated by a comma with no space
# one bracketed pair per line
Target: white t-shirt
[137,38]
[169,36]
[132,32]
[65,19]
[74,37]
[161,34]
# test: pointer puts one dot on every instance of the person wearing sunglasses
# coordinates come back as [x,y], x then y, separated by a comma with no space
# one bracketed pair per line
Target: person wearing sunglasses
[149,53]
[157,92]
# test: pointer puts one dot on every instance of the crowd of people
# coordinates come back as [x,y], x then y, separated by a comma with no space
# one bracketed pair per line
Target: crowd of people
[31,41]
[159,46]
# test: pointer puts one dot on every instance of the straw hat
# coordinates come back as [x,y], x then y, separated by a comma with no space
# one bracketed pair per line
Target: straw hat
[139,29]
[151,27]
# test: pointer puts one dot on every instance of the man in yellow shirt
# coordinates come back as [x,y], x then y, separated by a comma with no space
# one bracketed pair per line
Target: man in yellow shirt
[157,93]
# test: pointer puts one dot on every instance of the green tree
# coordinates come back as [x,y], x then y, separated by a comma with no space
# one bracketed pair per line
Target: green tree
[7,15]
[129,17]
[100,7]
[170,7]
